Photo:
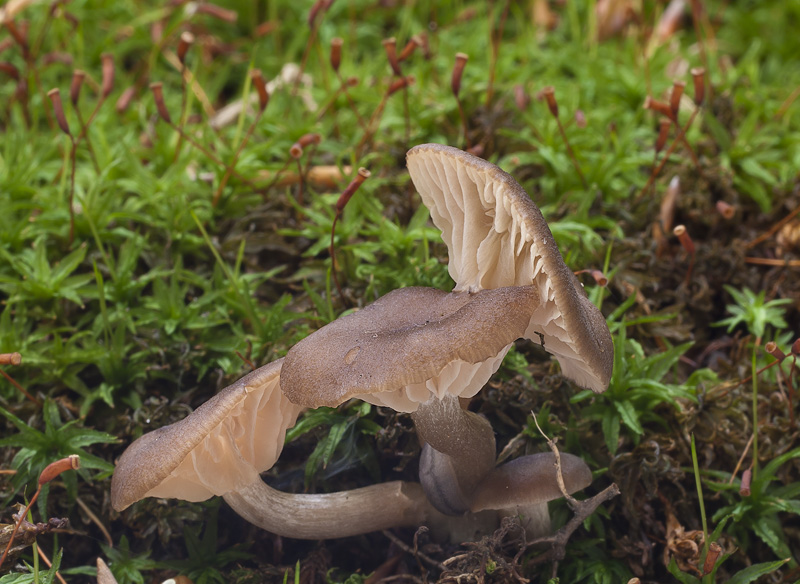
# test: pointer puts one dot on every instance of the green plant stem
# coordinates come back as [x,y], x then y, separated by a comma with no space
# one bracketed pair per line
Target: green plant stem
[35,549]
[755,410]
[699,485]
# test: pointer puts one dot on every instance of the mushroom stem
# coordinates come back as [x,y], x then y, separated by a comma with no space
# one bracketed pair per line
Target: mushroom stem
[458,454]
[533,518]
[332,515]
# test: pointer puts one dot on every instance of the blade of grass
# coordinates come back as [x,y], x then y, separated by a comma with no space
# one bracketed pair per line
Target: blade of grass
[700,500]
[101,296]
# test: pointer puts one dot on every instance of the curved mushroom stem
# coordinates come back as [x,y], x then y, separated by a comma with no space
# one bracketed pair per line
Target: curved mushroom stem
[332,515]
[459,453]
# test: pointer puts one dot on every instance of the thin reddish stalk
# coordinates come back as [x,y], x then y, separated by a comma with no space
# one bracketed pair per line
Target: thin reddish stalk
[51,471]
[10,358]
[163,113]
[787,103]
[374,121]
[496,38]
[696,14]
[315,15]
[683,236]
[24,391]
[550,97]
[89,146]
[656,171]
[49,564]
[362,175]
[263,100]
[670,111]
[185,42]
[455,87]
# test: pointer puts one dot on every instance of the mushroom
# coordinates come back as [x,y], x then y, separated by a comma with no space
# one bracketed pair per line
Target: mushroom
[526,484]
[221,448]
[495,237]
[393,352]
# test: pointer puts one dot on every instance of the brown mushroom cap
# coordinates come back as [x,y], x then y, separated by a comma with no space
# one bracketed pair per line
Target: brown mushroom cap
[222,446]
[496,237]
[529,480]
[409,345]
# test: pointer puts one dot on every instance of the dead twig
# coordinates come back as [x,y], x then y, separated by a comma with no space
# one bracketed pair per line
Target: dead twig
[414,551]
[773,230]
[95,520]
[773,262]
[51,471]
[558,541]
[581,509]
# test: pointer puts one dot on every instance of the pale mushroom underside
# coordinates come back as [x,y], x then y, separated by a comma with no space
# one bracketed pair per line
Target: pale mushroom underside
[497,237]
[457,378]
[220,447]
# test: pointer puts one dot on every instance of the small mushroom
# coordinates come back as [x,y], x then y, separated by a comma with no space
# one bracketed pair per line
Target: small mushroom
[221,448]
[525,485]
[496,237]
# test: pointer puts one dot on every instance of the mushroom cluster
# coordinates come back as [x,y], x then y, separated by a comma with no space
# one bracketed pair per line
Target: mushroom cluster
[416,350]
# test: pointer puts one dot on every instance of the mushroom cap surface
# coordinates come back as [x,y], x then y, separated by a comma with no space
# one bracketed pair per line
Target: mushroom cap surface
[407,346]
[496,237]
[222,446]
[529,480]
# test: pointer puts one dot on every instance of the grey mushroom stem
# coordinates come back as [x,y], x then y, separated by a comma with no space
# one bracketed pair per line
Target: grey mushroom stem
[333,515]
[459,452]
[458,473]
